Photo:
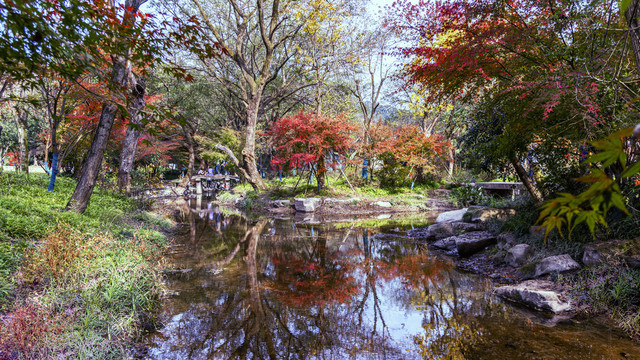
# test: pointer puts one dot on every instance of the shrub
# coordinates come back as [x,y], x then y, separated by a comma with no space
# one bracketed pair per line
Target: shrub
[467,195]
[27,332]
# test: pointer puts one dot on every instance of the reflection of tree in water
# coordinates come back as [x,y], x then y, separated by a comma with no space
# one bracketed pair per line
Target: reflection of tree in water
[313,278]
[431,285]
[305,294]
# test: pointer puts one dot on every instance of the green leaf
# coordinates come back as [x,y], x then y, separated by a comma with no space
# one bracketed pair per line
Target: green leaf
[632,170]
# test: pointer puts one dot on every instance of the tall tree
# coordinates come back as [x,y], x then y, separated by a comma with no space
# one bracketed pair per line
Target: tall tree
[121,68]
[256,37]
[371,73]
[540,70]
[59,97]
[130,144]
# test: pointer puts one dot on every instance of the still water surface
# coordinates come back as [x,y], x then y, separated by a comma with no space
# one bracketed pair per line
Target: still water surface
[274,289]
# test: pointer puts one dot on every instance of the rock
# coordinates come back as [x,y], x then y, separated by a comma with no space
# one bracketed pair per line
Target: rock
[472,242]
[506,241]
[451,216]
[592,256]
[384,204]
[443,230]
[558,263]
[446,243]
[307,205]
[484,214]
[307,218]
[281,203]
[536,294]
[614,251]
[518,255]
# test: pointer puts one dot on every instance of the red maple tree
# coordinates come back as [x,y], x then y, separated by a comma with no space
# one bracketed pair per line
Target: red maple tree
[305,140]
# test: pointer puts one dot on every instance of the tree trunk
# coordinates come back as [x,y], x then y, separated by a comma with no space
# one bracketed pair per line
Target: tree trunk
[249,152]
[526,180]
[320,173]
[128,154]
[23,140]
[631,15]
[192,160]
[91,168]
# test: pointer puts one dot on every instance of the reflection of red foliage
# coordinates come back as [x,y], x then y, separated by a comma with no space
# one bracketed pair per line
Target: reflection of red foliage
[313,282]
[414,270]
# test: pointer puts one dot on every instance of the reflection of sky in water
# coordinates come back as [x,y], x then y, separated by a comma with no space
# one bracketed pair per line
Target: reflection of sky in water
[214,312]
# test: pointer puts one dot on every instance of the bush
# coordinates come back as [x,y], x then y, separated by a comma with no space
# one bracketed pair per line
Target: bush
[467,195]
[393,173]
[29,332]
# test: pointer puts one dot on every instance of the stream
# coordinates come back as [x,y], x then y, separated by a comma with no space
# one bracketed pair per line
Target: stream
[277,289]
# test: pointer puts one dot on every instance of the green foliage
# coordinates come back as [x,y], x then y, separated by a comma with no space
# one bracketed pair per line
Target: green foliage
[592,205]
[393,174]
[10,258]
[104,286]
[155,220]
[468,195]
[28,210]
[250,202]
[225,136]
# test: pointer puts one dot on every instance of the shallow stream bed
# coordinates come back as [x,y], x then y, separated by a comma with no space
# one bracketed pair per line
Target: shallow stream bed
[277,289]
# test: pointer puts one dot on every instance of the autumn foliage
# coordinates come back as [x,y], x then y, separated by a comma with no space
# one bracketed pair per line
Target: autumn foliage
[406,147]
[316,281]
[306,139]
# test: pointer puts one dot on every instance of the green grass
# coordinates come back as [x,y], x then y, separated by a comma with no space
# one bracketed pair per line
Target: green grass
[84,284]
[286,188]
[608,289]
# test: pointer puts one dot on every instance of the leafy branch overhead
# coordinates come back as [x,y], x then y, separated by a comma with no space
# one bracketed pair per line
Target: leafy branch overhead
[591,206]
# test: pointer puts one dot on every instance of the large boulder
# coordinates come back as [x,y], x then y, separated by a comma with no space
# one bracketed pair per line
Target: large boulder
[558,263]
[536,294]
[448,244]
[506,240]
[483,214]
[445,229]
[281,203]
[307,205]
[518,255]
[384,204]
[627,251]
[451,216]
[472,242]
[592,256]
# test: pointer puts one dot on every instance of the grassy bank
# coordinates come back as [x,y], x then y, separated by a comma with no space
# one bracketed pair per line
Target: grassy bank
[292,187]
[74,286]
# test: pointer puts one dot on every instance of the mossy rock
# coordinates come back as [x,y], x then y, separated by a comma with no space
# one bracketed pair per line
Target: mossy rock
[528,270]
